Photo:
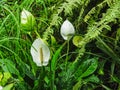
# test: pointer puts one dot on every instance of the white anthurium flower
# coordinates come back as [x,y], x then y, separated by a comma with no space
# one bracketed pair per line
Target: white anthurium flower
[67,30]
[27,20]
[40,52]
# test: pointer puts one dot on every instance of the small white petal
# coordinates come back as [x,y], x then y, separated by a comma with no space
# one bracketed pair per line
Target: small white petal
[67,30]
[24,16]
[40,52]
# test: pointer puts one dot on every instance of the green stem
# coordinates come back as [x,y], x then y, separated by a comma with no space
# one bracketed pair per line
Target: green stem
[112,68]
[52,82]
[39,83]
[37,34]
[41,79]
[66,61]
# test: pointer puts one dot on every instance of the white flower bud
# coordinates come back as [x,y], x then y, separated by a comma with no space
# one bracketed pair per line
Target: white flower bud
[27,20]
[40,52]
[67,30]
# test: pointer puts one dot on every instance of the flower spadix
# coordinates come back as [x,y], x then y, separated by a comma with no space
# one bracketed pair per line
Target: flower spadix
[40,52]
[67,30]
[27,20]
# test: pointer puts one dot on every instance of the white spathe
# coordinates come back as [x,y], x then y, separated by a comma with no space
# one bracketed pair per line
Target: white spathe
[67,30]
[40,52]
[24,16]
[27,20]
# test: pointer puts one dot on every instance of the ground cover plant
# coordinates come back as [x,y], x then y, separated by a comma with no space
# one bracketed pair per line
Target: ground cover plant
[59,44]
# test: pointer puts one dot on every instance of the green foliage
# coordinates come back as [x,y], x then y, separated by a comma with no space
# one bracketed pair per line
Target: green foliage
[95,28]
[9,87]
[86,69]
[92,65]
[8,66]
[4,77]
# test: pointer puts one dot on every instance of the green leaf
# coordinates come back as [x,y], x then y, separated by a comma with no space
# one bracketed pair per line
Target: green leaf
[106,49]
[8,87]
[53,40]
[78,85]
[26,70]
[22,86]
[107,27]
[8,66]
[86,68]
[1,76]
[4,78]
[53,66]
[47,80]
[92,78]
[55,57]
[91,68]
[106,88]
[115,79]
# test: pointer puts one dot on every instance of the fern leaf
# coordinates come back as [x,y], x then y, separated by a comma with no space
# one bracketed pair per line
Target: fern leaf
[96,28]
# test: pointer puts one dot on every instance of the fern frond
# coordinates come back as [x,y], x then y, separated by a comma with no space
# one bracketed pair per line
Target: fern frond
[80,17]
[110,2]
[70,5]
[82,9]
[94,11]
[96,27]
[56,21]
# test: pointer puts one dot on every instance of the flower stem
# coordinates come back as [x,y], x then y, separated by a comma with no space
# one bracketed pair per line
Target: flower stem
[66,61]
[39,83]
[37,34]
